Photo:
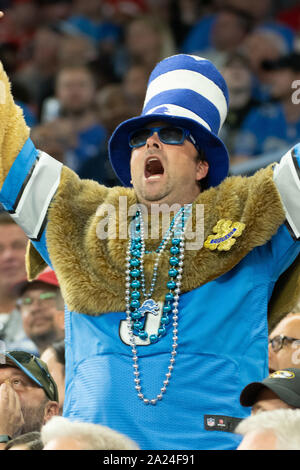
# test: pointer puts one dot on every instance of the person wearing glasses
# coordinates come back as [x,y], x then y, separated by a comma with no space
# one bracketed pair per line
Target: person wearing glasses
[155,330]
[28,395]
[42,309]
[284,343]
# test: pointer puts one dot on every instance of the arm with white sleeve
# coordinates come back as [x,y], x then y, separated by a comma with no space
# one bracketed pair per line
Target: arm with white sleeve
[287,181]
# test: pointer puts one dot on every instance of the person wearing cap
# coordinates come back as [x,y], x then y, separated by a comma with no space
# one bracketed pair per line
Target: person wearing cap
[28,395]
[42,309]
[274,126]
[281,389]
[155,332]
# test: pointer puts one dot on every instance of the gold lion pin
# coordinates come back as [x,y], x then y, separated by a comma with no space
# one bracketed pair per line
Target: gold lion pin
[226,233]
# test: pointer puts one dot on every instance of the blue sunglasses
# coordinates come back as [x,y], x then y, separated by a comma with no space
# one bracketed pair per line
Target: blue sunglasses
[168,135]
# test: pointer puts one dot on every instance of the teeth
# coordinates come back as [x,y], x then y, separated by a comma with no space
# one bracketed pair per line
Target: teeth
[154,177]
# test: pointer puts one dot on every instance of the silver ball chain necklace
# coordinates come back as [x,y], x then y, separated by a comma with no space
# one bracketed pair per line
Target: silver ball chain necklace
[135,280]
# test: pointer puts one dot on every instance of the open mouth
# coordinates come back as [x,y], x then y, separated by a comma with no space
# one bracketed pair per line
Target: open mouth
[153,168]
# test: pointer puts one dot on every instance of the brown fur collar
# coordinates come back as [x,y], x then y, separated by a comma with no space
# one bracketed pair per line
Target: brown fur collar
[92,272]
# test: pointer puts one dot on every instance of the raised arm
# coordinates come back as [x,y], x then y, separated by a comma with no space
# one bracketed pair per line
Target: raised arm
[30,181]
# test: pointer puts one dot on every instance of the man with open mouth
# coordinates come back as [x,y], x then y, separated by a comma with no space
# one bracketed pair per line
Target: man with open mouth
[162,332]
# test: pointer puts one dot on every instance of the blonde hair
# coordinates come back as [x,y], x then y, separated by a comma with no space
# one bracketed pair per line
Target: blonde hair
[91,436]
[284,423]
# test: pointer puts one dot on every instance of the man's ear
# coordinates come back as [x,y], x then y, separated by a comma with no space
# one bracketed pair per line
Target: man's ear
[202,169]
[51,409]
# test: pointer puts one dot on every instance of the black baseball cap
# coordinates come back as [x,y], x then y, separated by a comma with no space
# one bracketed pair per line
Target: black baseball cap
[35,369]
[285,383]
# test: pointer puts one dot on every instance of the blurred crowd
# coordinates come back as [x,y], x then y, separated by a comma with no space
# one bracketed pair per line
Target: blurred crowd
[80,67]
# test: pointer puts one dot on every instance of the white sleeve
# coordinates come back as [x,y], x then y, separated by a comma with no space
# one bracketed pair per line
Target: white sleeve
[287,180]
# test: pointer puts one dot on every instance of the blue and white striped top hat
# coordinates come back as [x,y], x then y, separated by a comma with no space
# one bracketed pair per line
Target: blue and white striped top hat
[187,91]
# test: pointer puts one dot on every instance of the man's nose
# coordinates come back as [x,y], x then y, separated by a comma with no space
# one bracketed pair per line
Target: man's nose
[154,141]
[8,253]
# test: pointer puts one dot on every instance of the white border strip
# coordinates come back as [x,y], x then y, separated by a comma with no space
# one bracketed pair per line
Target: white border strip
[37,195]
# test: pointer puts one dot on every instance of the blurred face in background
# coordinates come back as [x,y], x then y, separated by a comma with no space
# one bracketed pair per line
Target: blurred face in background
[260,46]
[75,89]
[112,106]
[13,242]
[142,40]
[237,75]
[39,309]
[45,48]
[135,85]
[228,31]
[281,82]
[76,50]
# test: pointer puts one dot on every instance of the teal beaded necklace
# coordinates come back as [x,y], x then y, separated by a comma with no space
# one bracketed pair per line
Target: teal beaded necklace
[135,289]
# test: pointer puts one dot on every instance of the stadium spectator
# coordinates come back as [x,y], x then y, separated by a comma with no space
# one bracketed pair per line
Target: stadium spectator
[76,94]
[28,395]
[19,26]
[147,39]
[274,126]
[28,441]
[61,434]
[284,343]
[112,108]
[238,76]
[229,30]
[54,11]
[54,138]
[12,269]
[134,86]
[281,389]
[184,15]
[271,430]
[41,68]
[262,44]
[88,19]
[41,306]
[201,35]
[54,357]
[76,50]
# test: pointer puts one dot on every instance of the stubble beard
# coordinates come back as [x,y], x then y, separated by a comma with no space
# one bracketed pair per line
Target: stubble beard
[33,417]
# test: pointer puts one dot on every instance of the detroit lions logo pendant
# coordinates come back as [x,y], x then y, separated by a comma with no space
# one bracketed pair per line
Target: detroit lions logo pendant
[149,306]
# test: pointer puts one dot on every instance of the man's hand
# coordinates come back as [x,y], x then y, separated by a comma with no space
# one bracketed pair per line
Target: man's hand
[11,416]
